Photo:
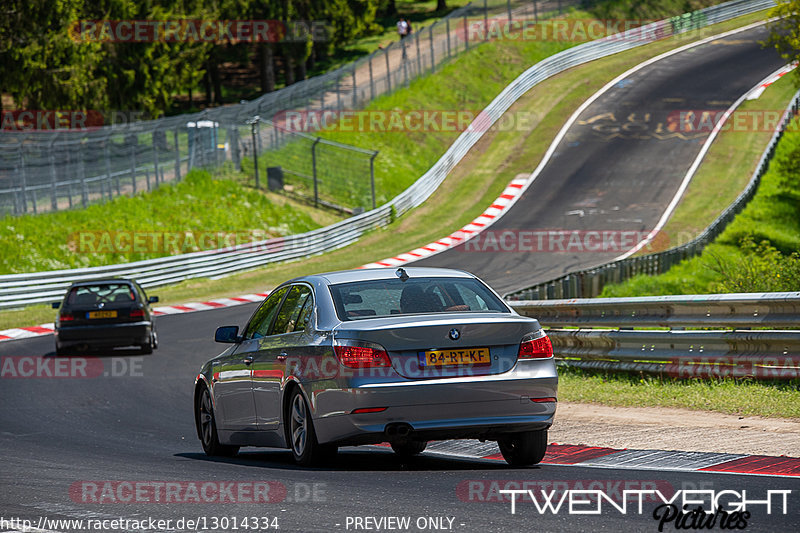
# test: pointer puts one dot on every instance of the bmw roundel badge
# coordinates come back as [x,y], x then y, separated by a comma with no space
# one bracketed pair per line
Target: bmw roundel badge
[455,334]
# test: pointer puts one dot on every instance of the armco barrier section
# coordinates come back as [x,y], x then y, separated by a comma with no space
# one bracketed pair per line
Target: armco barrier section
[590,282]
[22,289]
[767,354]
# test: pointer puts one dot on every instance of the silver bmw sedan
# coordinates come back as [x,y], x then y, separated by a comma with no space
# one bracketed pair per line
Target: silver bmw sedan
[357,357]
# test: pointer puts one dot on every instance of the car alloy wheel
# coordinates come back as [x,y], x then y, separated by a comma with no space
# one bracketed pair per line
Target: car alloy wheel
[208,428]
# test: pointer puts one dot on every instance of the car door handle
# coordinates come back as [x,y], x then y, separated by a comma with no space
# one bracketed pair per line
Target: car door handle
[282,356]
[248,360]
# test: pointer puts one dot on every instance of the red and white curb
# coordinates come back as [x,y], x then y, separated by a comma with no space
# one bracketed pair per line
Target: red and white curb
[47,329]
[758,91]
[510,195]
[599,457]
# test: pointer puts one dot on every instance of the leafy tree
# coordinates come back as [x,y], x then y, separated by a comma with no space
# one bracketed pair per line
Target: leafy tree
[41,66]
[785,32]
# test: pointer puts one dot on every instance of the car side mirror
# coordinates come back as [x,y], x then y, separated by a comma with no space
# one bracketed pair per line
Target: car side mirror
[229,334]
[152,299]
[56,305]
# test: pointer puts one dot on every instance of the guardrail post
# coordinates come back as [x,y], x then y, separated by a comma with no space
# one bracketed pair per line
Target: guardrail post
[314,170]
[535,12]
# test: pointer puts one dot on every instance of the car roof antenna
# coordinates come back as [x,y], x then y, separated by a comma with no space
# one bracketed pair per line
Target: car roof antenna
[402,274]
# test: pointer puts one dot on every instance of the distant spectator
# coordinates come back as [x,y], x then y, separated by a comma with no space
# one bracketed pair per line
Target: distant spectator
[403,28]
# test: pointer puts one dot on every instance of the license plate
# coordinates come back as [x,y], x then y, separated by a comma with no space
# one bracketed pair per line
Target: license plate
[101,314]
[465,356]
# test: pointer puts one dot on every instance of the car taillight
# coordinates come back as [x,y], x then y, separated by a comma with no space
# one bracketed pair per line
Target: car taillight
[357,354]
[535,348]
[137,313]
[66,317]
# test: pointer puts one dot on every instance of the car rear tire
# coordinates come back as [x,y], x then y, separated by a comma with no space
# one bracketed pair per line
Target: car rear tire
[207,426]
[306,450]
[409,448]
[524,449]
[147,349]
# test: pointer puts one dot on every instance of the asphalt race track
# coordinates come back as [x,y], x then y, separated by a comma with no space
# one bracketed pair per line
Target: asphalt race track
[616,169]
[73,447]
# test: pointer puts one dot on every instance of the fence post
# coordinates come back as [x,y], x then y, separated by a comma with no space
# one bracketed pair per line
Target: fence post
[82,170]
[508,8]
[314,170]
[466,33]
[355,88]
[253,122]
[155,160]
[535,12]
[388,72]
[419,55]
[177,158]
[372,176]
[485,21]
[23,200]
[433,53]
[133,165]
[447,26]
[371,80]
[53,176]
[338,96]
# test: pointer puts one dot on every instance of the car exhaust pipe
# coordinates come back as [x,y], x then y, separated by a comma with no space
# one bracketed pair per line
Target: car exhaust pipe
[398,431]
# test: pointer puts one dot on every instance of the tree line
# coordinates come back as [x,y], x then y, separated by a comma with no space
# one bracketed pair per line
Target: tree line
[86,54]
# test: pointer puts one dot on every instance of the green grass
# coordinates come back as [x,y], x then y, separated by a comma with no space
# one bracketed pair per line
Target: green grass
[726,169]
[735,397]
[199,203]
[497,158]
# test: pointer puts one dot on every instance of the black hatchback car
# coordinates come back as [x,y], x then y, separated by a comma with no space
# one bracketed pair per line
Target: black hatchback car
[109,313]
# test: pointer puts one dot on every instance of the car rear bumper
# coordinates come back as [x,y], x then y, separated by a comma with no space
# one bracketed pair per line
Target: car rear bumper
[443,409]
[105,335]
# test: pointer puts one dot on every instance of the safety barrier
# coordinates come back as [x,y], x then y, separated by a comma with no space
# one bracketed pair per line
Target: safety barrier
[767,354]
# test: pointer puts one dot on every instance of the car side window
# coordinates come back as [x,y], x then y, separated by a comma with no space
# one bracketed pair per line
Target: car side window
[262,319]
[304,319]
[287,318]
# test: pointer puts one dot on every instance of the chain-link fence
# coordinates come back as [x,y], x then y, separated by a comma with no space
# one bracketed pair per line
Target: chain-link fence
[328,173]
[61,169]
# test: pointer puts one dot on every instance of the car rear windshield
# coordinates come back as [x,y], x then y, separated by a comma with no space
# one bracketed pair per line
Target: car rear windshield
[375,298]
[106,293]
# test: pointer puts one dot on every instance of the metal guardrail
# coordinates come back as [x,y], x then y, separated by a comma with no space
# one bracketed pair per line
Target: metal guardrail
[762,354]
[23,289]
[590,282]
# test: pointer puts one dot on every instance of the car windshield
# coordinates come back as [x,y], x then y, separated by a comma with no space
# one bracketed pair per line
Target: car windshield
[375,298]
[101,293]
